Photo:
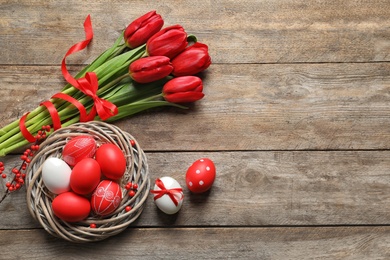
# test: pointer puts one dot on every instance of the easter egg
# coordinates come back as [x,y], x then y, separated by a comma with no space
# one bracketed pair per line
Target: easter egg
[71,207]
[106,198]
[78,148]
[56,175]
[112,161]
[85,176]
[200,175]
[168,195]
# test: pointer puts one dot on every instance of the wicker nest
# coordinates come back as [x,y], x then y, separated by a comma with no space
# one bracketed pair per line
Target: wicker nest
[39,198]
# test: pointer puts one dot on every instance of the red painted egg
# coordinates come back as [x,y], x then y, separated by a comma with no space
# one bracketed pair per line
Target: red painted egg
[71,207]
[85,176]
[78,148]
[106,198]
[200,175]
[112,161]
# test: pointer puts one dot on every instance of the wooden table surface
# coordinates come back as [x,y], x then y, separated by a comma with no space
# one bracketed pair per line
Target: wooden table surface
[296,118]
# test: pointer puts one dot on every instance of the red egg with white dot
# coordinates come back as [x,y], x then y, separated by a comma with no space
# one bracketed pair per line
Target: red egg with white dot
[200,175]
[79,148]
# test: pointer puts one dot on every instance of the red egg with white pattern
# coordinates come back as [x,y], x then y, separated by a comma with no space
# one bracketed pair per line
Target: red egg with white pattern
[78,148]
[200,175]
[106,198]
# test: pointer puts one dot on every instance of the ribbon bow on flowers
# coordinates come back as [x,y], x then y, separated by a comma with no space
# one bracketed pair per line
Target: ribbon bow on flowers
[176,194]
[147,67]
[89,84]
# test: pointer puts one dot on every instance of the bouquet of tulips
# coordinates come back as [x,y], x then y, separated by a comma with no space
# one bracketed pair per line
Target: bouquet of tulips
[146,67]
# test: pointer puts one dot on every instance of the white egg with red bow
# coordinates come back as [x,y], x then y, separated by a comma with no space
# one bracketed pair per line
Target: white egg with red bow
[78,148]
[200,175]
[106,198]
[168,195]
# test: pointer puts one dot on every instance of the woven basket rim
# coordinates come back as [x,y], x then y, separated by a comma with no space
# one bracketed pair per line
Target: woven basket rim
[39,197]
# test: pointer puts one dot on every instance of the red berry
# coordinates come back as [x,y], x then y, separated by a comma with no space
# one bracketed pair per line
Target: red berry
[128,208]
[8,184]
[135,186]
[132,142]
[3,176]
[93,225]
[131,193]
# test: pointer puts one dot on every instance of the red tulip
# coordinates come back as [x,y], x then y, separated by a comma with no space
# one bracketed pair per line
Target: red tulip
[150,69]
[141,29]
[192,60]
[183,89]
[167,42]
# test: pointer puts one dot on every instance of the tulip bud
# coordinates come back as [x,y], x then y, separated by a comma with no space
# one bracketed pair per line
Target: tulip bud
[183,89]
[192,60]
[150,69]
[141,29]
[167,42]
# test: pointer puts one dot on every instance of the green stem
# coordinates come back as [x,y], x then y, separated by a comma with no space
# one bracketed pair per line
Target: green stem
[115,50]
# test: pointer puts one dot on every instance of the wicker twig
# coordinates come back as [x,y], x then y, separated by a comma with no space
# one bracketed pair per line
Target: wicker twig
[39,198]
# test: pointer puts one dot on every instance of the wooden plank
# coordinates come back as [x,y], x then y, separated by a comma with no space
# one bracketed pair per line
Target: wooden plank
[246,107]
[261,189]
[206,243]
[248,31]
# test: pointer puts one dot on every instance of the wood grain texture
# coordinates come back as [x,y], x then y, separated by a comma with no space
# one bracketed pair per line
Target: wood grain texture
[295,117]
[206,243]
[263,189]
[249,31]
[246,107]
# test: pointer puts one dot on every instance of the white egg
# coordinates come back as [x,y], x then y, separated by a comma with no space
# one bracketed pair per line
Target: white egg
[164,201]
[56,175]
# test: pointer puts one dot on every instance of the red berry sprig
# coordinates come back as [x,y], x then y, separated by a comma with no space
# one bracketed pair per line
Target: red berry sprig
[18,174]
[132,188]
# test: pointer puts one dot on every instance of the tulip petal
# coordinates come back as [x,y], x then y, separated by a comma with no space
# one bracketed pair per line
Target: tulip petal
[184,97]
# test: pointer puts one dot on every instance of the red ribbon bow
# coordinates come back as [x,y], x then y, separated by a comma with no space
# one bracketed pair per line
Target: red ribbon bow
[89,84]
[176,194]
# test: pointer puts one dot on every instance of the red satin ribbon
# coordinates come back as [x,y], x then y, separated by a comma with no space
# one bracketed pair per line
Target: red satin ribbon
[23,129]
[76,103]
[55,118]
[175,194]
[88,85]
[77,47]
